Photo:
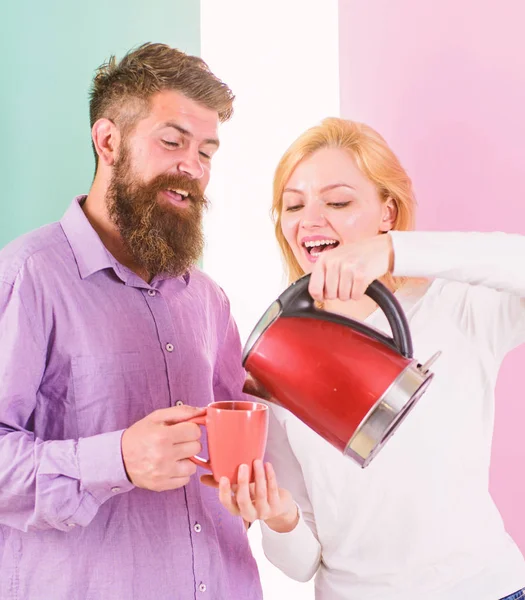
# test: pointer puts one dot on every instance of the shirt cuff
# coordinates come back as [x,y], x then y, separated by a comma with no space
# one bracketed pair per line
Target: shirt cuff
[301,534]
[404,258]
[101,466]
[297,553]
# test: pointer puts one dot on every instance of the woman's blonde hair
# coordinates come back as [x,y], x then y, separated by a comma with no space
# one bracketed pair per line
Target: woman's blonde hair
[372,155]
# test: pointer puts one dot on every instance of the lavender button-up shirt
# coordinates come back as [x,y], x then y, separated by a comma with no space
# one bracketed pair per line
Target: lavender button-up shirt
[86,349]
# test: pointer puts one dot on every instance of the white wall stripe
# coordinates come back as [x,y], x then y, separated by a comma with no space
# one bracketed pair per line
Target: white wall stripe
[281,58]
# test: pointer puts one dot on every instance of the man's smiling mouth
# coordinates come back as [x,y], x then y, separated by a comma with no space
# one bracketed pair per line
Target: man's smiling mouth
[177,196]
[182,193]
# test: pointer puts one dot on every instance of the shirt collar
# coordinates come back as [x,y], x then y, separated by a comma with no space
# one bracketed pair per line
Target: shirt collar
[90,253]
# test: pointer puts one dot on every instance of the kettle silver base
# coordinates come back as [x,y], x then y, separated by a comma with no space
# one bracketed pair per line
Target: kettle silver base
[389,411]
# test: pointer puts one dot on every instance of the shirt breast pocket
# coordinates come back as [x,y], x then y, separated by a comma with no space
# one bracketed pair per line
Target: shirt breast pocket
[111,392]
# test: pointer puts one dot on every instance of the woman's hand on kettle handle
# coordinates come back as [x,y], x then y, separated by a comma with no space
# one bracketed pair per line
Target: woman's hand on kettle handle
[262,499]
[345,272]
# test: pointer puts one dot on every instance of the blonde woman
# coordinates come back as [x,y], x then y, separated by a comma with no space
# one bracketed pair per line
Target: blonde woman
[419,522]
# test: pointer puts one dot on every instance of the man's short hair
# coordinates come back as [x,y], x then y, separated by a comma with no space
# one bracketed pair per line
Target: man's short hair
[121,90]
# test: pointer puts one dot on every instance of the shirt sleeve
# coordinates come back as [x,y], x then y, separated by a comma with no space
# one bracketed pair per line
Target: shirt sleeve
[229,374]
[44,484]
[492,263]
[298,552]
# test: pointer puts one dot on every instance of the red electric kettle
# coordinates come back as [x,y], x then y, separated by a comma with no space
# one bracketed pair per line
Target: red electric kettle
[347,381]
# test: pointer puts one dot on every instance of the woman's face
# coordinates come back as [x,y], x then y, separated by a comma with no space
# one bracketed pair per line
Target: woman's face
[328,202]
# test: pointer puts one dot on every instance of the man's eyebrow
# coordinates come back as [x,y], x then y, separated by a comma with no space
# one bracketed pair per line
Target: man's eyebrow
[209,141]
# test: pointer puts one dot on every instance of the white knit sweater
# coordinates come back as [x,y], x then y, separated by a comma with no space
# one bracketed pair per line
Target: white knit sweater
[419,522]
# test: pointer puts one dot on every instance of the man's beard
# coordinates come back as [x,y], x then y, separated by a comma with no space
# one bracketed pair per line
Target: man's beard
[160,237]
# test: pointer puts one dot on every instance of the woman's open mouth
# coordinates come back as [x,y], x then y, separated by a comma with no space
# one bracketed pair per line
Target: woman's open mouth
[314,248]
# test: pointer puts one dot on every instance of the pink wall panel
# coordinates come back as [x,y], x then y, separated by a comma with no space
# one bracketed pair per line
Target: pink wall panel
[445,84]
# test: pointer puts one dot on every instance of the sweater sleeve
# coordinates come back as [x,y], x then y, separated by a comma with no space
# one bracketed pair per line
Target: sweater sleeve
[493,263]
[297,553]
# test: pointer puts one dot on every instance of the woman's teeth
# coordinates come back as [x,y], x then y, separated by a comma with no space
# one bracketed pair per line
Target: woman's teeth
[319,243]
[315,248]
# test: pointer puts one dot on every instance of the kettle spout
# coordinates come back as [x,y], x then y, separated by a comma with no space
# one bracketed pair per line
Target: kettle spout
[425,367]
[256,388]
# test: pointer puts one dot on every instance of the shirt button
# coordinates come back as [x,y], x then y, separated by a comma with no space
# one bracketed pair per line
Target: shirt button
[202,587]
[197,527]
[70,524]
[179,403]
[169,347]
[115,489]
[152,292]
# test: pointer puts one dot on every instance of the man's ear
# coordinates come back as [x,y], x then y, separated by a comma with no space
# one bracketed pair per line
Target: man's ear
[106,139]
[388,215]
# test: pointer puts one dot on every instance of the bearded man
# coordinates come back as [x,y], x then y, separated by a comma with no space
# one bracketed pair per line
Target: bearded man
[111,341]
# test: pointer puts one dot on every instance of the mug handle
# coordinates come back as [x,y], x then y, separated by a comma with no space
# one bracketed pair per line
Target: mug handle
[199,461]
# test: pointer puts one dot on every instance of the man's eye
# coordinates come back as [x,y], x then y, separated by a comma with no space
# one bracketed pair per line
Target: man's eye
[204,155]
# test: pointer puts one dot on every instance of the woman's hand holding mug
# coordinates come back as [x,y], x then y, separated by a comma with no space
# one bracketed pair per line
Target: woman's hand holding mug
[261,499]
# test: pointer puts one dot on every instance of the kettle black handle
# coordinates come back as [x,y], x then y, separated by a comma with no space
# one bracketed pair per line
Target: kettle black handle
[297,298]
[395,315]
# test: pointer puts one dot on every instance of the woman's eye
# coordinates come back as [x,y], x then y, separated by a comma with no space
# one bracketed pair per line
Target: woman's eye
[339,204]
[294,208]
[171,144]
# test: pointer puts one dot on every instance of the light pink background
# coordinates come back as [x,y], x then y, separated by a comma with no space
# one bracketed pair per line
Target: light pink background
[444,82]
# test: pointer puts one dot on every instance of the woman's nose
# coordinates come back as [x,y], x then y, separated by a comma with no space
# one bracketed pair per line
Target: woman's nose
[313,215]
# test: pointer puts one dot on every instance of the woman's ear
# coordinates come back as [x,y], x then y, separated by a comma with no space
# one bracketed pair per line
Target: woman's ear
[388,215]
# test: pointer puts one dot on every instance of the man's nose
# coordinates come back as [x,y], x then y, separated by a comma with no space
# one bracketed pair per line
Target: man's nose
[190,164]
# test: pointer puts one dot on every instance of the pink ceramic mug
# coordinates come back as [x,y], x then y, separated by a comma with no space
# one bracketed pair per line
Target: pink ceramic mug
[237,432]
